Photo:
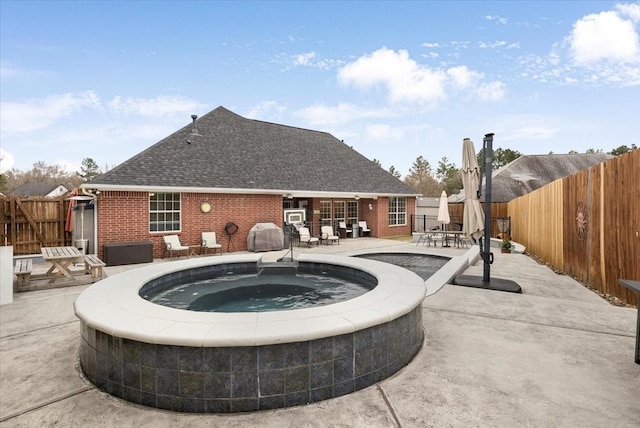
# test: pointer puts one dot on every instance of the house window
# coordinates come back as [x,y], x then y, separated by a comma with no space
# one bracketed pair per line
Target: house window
[397,211]
[287,204]
[325,213]
[352,212]
[338,211]
[164,212]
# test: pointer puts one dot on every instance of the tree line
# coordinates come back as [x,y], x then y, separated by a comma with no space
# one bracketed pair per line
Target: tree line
[424,179]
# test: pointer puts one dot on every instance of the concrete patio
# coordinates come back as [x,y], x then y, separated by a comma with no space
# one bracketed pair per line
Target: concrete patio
[557,355]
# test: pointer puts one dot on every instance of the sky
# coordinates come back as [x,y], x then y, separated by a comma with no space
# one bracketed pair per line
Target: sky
[394,80]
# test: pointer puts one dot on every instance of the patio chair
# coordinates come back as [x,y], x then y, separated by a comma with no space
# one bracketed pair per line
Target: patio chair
[343,229]
[364,229]
[209,242]
[172,243]
[327,235]
[306,238]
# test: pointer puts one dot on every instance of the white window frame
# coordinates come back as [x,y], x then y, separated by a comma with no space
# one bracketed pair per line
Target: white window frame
[165,212]
[397,211]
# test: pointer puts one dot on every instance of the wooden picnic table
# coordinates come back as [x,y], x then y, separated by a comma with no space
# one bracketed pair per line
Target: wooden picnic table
[61,259]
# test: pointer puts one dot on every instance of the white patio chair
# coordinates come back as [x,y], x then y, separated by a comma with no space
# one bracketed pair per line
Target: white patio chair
[172,243]
[364,229]
[327,235]
[209,242]
[343,228]
[306,238]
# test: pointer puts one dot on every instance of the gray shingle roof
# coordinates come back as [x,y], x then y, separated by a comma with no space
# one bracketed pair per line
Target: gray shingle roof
[232,152]
[35,189]
[530,172]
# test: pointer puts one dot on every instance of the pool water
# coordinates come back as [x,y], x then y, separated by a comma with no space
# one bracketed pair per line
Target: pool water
[259,293]
[423,265]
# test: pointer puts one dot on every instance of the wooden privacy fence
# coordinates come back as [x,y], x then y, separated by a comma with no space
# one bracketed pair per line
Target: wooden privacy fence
[29,223]
[587,224]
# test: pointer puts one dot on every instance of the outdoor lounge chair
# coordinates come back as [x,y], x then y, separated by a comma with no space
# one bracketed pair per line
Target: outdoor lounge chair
[209,242]
[364,229]
[343,229]
[172,243]
[327,235]
[306,238]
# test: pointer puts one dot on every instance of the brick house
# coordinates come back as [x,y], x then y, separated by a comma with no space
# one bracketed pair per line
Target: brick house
[224,168]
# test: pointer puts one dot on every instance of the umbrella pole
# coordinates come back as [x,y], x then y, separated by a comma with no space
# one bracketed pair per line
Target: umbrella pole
[488,165]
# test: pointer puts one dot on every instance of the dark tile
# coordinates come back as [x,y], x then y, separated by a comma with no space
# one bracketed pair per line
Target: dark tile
[343,369]
[272,357]
[296,379]
[114,388]
[379,357]
[297,398]
[321,374]
[148,399]
[244,359]
[148,379]
[321,350]
[364,362]
[191,359]
[365,381]
[91,337]
[217,385]
[272,382]
[167,357]
[216,359]
[102,342]
[244,385]
[131,375]
[131,394]
[320,394]
[343,388]
[363,340]
[191,385]
[245,405]
[148,354]
[192,405]
[297,354]
[115,348]
[101,382]
[167,382]
[168,402]
[218,406]
[271,402]
[102,364]
[343,346]
[115,371]
[131,351]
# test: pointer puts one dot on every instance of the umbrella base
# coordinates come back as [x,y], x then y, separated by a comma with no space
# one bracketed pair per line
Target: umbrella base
[498,284]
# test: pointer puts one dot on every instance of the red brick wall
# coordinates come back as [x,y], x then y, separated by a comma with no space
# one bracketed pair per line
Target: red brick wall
[124,217]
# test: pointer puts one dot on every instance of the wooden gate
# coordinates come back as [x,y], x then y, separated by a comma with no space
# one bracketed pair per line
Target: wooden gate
[29,223]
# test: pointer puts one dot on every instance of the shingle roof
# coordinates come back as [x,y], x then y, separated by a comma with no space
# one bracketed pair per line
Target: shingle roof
[530,172]
[35,189]
[232,152]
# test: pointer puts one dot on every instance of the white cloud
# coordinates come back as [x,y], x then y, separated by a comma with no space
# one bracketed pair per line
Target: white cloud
[631,10]
[6,160]
[431,45]
[498,19]
[37,114]
[160,106]
[382,132]
[462,77]
[492,45]
[404,79]
[604,36]
[491,91]
[264,109]
[530,133]
[319,114]
[304,58]
[309,59]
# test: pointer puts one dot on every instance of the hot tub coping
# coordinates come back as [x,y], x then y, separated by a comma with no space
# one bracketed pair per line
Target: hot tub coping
[114,306]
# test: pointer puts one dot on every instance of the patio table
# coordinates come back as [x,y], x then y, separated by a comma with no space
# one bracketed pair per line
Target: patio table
[60,259]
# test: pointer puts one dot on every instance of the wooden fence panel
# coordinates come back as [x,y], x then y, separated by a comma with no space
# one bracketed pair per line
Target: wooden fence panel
[29,223]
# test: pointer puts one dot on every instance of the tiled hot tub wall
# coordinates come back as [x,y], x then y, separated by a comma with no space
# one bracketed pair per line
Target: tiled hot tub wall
[239,379]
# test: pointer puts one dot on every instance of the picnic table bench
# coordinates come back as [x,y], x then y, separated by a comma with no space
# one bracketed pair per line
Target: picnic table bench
[93,265]
[23,269]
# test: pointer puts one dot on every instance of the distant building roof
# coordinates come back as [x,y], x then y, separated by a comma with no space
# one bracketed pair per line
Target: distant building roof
[225,152]
[530,172]
[40,189]
[428,202]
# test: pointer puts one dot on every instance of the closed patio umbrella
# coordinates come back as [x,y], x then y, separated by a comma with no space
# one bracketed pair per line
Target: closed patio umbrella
[473,217]
[443,210]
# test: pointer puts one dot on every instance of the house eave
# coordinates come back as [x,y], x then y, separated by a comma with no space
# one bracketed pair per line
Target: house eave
[287,193]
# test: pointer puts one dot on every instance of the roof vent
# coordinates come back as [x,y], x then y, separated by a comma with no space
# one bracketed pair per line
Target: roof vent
[194,130]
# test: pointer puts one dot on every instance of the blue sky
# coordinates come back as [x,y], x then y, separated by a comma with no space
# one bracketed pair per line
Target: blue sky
[394,80]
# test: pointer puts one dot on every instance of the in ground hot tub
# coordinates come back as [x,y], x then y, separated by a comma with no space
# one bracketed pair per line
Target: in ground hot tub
[194,361]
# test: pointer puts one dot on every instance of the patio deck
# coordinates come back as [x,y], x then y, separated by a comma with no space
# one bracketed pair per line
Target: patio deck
[556,355]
